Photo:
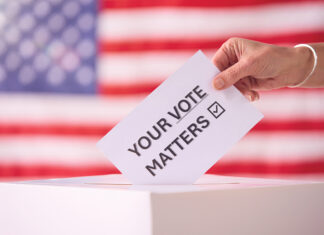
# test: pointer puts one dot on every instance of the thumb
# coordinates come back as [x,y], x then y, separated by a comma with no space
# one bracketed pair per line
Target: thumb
[230,76]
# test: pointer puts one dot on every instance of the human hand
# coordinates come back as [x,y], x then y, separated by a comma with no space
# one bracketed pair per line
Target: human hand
[253,66]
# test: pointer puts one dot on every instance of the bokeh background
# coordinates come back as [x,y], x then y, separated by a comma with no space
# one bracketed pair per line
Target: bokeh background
[71,69]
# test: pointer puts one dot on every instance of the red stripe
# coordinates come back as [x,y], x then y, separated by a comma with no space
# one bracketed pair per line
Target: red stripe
[100,130]
[289,125]
[106,46]
[121,4]
[221,167]
[286,168]
[129,88]
[148,87]
[53,171]
[286,90]
[54,129]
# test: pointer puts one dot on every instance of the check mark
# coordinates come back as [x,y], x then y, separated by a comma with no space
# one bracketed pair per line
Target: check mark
[216,109]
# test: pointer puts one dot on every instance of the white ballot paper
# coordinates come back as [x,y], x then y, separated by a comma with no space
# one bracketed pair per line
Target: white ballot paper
[181,129]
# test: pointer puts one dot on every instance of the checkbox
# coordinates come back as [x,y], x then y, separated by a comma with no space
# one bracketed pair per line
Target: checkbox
[216,109]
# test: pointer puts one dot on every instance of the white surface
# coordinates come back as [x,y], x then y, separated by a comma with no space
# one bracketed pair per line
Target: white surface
[186,163]
[110,205]
[38,210]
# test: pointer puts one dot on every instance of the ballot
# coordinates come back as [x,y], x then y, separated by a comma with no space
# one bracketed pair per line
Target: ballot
[181,129]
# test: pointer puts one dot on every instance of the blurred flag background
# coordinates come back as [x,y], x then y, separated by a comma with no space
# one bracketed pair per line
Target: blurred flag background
[70,70]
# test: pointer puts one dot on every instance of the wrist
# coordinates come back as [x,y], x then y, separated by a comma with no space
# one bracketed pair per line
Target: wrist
[303,64]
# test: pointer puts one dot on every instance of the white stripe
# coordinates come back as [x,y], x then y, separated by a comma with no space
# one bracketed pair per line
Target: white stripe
[291,105]
[50,150]
[47,109]
[279,147]
[271,147]
[125,68]
[157,23]
[64,109]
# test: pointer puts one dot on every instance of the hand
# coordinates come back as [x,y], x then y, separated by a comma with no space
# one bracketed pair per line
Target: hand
[252,66]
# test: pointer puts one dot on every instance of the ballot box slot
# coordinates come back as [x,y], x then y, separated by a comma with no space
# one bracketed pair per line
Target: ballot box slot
[172,185]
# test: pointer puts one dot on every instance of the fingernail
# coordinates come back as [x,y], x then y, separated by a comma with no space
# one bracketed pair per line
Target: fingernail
[249,97]
[218,83]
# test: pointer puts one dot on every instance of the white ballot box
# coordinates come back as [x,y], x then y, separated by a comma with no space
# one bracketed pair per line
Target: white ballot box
[214,205]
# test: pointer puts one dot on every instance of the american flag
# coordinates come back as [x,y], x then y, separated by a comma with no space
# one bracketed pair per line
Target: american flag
[70,70]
